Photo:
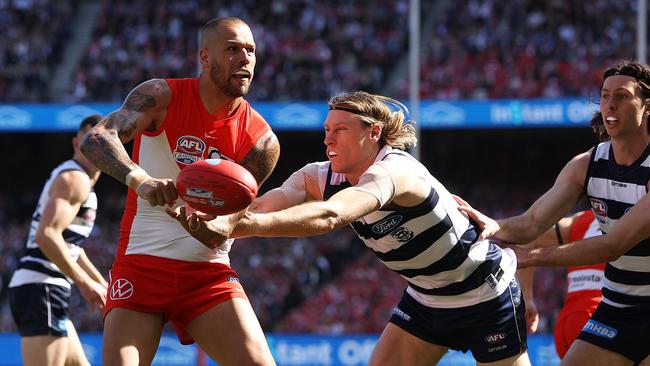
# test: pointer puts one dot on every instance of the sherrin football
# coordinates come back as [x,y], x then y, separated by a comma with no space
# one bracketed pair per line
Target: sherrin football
[216,186]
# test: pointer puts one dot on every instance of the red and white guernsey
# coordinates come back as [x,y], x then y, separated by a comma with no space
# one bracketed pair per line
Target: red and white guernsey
[188,133]
[584,283]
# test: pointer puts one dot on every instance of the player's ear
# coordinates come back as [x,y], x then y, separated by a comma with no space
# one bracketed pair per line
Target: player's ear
[204,58]
[375,131]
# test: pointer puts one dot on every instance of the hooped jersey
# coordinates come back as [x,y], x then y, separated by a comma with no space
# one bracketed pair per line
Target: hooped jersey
[612,190]
[433,245]
[34,266]
[584,283]
[188,133]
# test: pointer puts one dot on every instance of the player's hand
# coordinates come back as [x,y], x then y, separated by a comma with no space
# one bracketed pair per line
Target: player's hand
[524,255]
[94,293]
[208,229]
[158,192]
[532,316]
[489,227]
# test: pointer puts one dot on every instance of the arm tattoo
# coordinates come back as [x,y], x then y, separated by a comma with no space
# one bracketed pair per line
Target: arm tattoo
[103,144]
[138,102]
[261,159]
[106,152]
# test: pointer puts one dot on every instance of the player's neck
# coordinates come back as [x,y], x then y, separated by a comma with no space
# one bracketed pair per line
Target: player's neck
[217,104]
[628,149]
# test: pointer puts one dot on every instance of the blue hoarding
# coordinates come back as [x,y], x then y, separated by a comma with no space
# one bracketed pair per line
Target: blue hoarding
[288,350]
[509,113]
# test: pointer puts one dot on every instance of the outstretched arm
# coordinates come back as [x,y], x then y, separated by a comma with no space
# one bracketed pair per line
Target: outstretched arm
[550,207]
[631,229]
[311,218]
[145,108]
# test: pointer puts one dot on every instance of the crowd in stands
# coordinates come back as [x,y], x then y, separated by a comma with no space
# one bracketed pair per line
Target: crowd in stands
[305,49]
[33,33]
[524,48]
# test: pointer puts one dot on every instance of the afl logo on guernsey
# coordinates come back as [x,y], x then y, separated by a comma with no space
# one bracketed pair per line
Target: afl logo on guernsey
[387,224]
[188,149]
[599,206]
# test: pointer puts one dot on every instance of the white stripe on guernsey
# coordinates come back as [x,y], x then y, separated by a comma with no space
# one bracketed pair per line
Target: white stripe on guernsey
[82,230]
[600,187]
[457,274]
[585,279]
[646,162]
[49,265]
[417,225]
[643,290]
[480,294]
[432,254]
[602,150]
[24,276]
[615,304]
[155,157]
[632,263]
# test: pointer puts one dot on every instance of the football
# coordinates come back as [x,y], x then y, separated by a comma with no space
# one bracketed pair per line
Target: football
[216,186]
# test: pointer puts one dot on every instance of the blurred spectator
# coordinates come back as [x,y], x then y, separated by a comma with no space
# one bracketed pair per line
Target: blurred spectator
[33,35]
[481,49]
[306,49]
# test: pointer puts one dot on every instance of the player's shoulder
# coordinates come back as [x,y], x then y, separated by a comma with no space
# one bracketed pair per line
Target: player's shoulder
[72,184]
[151,92]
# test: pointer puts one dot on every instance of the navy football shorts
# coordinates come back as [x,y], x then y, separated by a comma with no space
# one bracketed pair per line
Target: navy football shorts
[40,309]
[492,330]
[625,331]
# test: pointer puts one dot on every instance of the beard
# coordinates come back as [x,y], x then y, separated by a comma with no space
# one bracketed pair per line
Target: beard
[222,81]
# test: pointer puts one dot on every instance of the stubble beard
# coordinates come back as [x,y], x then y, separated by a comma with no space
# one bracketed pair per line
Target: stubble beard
[224,84]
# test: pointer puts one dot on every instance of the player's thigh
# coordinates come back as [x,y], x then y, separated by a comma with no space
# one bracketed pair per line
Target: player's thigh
[44,350]
[130,337]
[583,353]
[398,347]
[76,355]
[231,334]
[518,360]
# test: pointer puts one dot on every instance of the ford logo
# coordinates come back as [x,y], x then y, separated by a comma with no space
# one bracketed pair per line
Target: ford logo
[387,224]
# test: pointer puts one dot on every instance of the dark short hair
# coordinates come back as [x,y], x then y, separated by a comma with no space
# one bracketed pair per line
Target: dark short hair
[637,70]
[213,24]
[91,121]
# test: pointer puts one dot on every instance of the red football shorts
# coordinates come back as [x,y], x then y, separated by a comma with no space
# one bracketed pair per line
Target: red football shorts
[178,289]
[568,327]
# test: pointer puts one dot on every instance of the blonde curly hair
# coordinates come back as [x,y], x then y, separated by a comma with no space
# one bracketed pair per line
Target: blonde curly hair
[396,130]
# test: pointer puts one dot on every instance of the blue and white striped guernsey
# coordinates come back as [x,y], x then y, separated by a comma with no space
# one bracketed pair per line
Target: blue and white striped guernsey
[432,245]
[612,190]
[33,266]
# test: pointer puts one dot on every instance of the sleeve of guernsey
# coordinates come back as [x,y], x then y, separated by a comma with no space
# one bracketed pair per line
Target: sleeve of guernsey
[252,127]
[379,180]
[301,185]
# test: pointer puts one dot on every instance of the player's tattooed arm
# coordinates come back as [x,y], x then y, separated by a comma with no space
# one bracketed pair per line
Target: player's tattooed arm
[262,157]
[144,109]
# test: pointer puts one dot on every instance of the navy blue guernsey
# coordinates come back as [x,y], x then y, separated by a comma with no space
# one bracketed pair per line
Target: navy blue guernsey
[432,245]
[34,266]
[612,190]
